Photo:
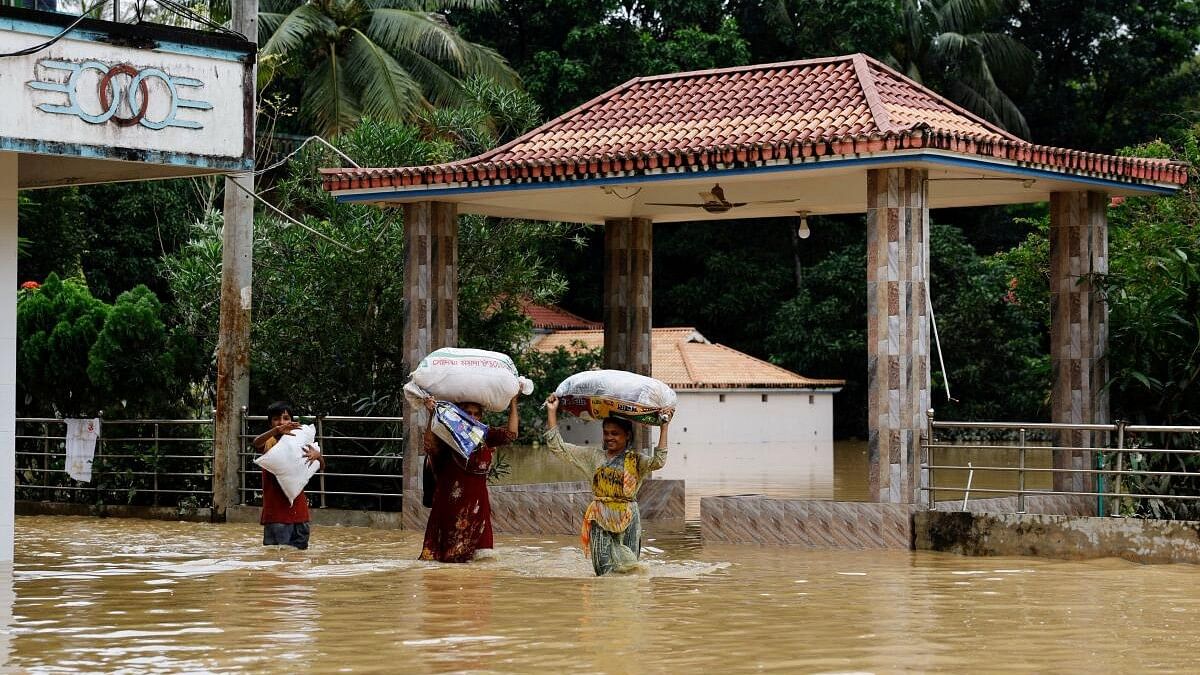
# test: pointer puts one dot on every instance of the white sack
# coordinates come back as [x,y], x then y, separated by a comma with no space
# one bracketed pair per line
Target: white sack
[286,460]
[467,375]
[596,394]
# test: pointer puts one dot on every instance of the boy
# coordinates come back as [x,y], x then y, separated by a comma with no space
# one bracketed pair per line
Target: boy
[283,523]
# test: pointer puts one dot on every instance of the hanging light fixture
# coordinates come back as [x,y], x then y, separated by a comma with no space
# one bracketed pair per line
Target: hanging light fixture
[803,232]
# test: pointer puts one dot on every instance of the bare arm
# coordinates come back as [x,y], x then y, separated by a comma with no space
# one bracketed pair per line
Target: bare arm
[514,418]
[659,458]
[277,431]
[583,458]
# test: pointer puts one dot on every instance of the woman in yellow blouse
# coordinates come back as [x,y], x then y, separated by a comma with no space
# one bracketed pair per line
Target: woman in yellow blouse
[612,528]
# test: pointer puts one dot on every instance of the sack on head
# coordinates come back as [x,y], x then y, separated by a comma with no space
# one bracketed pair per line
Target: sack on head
[461,375]
[597,394]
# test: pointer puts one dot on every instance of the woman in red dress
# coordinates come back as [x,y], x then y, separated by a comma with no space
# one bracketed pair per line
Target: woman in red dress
[460,521]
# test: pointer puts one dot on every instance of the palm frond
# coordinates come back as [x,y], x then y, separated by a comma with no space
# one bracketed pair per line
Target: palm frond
[962,16]
[426,34]
[1004,54]
[386,91]
[297,30]
[440,87]
[268,23]
[328,102]
[487,62]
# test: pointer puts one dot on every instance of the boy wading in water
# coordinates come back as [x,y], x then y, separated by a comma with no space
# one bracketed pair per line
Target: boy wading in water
[283,524]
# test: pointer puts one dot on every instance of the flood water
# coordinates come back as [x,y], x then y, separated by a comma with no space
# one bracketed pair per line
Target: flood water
[110,595]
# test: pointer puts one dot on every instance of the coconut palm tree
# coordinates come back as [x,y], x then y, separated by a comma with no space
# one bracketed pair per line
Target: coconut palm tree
[384,59]
[943,43]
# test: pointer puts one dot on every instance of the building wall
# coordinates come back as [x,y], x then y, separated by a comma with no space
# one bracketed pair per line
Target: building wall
[711,417]
[8,348]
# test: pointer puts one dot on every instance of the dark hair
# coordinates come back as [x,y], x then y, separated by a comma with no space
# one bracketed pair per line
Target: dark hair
[621,422]
[277,409]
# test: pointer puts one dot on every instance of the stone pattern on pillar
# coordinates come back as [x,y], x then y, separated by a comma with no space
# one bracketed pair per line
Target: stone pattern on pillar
[898,378]
[8,349]
[628,293]
[418,226]
[1078,328]
[431,322]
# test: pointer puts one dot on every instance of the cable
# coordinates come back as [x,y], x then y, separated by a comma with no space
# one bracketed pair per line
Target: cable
[291,154]
[188,13]
[37,48]
[291,219]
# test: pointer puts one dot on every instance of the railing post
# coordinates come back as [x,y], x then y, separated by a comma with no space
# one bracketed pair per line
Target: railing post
[1021,473]
[321,441]
[927,472]
[46,454]
[156,463]
[241,459]
[1116,505]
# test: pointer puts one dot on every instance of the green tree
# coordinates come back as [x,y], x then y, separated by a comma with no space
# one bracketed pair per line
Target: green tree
[786,30]
[1111,73]
[56,327]
[385,59]
[947,44]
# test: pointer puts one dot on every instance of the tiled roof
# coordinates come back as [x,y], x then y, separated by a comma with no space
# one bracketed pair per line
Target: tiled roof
[684,359]
[750,116]
[553,317]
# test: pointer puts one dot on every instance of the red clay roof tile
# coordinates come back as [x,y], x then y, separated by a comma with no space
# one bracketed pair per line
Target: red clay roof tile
[831,106]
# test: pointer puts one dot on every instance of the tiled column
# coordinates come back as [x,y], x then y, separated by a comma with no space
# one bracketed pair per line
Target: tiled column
[430,321]
[1078,327]
[628,293]
[8,348]
[897,330]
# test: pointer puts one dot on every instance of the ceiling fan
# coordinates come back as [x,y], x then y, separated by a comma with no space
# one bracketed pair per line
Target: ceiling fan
[715,202]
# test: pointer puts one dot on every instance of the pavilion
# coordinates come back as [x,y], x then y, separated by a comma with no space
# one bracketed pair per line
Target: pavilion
[835,135]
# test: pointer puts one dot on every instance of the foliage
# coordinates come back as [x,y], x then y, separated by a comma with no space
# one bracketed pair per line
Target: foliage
[1110,73]
[548,370]
[328,308]
[785,30]
[992,350]
[110,235]
[57,325]
[77,355]
[947,45]
[386,59]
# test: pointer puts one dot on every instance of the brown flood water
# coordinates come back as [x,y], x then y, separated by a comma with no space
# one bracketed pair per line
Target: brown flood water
[109,595]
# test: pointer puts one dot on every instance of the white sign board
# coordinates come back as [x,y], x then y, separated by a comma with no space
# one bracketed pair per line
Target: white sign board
[177,104]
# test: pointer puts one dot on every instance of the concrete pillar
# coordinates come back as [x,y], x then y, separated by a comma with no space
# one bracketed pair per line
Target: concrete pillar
[1078,328]
[430,322]
[628,293]
[8,349]
[897,330]
[233,340]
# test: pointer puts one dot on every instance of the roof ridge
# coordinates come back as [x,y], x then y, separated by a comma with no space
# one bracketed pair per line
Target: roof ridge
[942,99]
[687,362]
[866,82]
[746,68]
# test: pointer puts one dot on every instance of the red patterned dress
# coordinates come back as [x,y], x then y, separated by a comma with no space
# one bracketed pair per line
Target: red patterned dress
[460,521]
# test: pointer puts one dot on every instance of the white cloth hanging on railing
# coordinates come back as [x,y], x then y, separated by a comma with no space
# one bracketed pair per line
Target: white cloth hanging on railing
[81,447]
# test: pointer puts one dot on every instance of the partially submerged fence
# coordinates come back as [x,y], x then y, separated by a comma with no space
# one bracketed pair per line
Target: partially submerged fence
[1109,469]
[168,462]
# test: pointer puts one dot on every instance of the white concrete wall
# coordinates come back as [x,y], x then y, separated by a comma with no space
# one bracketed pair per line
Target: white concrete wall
[709,417]
[8,348]
[781,447]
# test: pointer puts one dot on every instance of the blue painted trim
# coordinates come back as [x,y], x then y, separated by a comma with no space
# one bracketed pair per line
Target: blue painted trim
[125,154]
[46,30]
[922,157]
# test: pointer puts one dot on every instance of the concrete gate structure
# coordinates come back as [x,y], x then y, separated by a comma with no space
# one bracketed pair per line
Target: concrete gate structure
[88,101]
[834,135]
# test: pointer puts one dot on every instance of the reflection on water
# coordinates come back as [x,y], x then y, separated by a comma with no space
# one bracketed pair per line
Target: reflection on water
[134,596]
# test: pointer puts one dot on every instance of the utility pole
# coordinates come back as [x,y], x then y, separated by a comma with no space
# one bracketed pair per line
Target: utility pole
[233,342]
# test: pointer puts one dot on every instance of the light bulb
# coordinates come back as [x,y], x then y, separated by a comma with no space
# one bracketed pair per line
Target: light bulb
[803,232]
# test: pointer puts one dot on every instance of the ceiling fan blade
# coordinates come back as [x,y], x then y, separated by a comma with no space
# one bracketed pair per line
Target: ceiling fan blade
[775,201]
[693,206]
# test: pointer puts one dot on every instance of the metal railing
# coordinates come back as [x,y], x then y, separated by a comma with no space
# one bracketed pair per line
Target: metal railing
[162,462]
[150,462]
[363,460]
[1128,469]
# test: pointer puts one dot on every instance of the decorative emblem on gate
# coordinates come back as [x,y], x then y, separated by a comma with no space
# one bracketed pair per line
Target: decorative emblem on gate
[122,89]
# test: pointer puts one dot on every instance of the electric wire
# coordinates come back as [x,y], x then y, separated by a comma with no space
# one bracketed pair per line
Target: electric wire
[39,47]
